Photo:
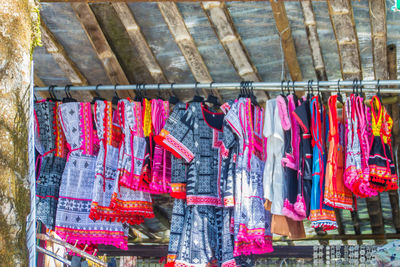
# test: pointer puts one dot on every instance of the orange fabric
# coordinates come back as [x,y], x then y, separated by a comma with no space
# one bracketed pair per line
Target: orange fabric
[336,194]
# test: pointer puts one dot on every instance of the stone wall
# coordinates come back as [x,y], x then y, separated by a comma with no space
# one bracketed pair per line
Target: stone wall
[17,28]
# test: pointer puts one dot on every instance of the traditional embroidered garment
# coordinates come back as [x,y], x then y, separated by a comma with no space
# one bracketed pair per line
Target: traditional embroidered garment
[251,220]
[304,174]
[320,215]
[178,166]
[161,159]
[294,206]
[126,199]
[50,143]
[383,175]
[110,136]
[145,177]
[76,191]
[197,138]
[363,135]
[336,194]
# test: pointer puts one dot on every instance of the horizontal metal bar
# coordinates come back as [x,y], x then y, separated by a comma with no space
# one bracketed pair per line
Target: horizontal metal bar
[267,86]
[53,255]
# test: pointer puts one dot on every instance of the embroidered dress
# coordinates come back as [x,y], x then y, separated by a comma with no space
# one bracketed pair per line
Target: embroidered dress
[251,221]
[320,215]
[145,176]
[110,136]
[178,166]
[336,194]
[197,138]
[383,175]
[161,160]
[294,206]
[50,143]
[126,200]
[76,192]
[363,135]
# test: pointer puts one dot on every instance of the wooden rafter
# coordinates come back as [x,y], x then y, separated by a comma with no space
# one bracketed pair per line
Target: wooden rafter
[221,21]
[139,41]
[99,42]
[59,54]
[377,18]
[285,33]
[342,19]
[173,18]
[313,40]
[65,63]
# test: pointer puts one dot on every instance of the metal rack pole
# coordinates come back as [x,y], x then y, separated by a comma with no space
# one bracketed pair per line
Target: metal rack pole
[325,86]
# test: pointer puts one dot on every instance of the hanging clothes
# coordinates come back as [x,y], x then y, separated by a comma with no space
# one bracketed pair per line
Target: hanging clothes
[320,215]
[251,221]
[127,199]
[76,192]
[197,138]
[178,166]
[304,174]
[383,175]
[362,112]
[50,143]
[161,158]
[145,176]
[110,136]
[336,194]
[294,206]
[275,187]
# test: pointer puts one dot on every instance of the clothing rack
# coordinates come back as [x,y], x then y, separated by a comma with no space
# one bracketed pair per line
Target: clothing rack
[325,86]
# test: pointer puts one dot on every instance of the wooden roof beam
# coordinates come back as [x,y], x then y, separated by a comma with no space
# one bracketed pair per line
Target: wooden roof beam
[342,19]
[65,63]
[222,23]
[285,33]
[102,48]
[139,41]
[313,40]
[173,18]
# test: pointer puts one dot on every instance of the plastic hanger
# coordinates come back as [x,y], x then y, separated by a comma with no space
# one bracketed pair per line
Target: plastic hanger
[138,97]
[253,97]
[196,98]
[288,88]
[378,94]
[173,99]
[115,98]
[212,99]
[68,94]
[282,92]
[51,93]
[340,98]
[97,96]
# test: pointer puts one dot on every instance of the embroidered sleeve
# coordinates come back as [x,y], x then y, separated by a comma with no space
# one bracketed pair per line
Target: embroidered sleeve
[179,139]
[232,117]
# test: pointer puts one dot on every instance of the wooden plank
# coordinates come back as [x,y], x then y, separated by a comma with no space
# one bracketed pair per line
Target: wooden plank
[285,33]
[99,42]
[173,18]
[221,21]
[313,40]
[139,41]
[59,54]
[377,18]
[65,63]
[342,19]
[132,1]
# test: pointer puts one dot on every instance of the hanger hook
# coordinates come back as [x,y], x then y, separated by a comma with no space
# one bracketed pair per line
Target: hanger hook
[144,89]
[378,86]
[293,87]
[338,86]
[252,88]
[287,86]
[318,86]
[282,86]
[97,90]
[65,91]
[195,88]
[311,87]
[115,89]
[211,91]
[354,85]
